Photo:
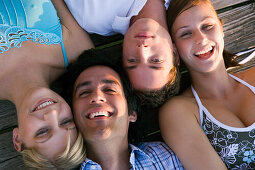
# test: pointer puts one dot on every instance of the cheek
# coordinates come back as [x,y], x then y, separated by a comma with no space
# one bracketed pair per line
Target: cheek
[184,48]
[73,135]
[77,109]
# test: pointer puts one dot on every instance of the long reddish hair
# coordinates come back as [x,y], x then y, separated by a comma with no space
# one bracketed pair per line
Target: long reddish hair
[176,7]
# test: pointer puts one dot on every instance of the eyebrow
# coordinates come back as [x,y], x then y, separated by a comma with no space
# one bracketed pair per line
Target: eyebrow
[156,67]
[110,81]
[88,83]
[85,83]
[206,17]
[153,67]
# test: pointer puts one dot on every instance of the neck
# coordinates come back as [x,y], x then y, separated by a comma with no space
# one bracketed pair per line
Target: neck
[216,84]
[110,155]
[153,9]
[18,86]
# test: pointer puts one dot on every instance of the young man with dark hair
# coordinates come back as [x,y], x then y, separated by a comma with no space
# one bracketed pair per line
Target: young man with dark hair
[103,106]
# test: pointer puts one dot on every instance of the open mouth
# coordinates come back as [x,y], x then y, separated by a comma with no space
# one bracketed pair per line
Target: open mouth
[43,103]
[101,114]
[205,53]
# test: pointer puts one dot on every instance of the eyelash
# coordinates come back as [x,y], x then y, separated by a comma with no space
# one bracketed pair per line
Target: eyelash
[185,34]
[66,121]
[132,60]
[42,132]
[206,27]
[156,60]
[84,93]
[109,90]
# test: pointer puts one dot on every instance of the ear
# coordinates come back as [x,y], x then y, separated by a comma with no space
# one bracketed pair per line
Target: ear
[16,139]
[176,56]
[133,116]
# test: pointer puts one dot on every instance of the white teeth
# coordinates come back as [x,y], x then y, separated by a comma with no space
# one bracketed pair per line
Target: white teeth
[44,104]
[204,51]
[95,114]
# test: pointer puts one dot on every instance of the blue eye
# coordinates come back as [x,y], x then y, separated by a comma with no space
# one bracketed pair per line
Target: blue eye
[42,132]
[66,121]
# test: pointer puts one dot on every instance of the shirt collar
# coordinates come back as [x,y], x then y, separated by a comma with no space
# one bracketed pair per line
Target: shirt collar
[137,153]
[87,162]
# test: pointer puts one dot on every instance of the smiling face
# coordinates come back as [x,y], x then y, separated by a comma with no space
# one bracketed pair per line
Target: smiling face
[99,105]
[147,55]
[198,35]
[45,122]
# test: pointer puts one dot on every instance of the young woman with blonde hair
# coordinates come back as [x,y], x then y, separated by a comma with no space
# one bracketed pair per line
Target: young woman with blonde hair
[34,50]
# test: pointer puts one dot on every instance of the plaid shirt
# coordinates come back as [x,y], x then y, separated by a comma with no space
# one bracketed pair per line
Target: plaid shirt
[147,156]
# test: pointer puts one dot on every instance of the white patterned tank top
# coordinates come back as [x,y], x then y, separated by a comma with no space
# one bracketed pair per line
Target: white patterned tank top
[235,146]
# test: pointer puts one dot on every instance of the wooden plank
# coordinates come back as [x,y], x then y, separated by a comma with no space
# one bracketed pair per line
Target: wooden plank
[15,163]
[239,28]
[9,157]
[8,116]
[100,40]
[243,67]
[218,4]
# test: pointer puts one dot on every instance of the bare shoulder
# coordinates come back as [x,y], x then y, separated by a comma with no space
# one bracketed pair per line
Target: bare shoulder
[247,75]
[178,102]
[180,106]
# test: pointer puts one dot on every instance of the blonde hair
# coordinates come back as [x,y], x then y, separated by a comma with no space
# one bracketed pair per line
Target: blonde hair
[70,158]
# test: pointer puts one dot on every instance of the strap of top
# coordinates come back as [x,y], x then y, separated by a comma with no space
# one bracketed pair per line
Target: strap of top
[64,53]
[23,20]
[200,105]
[243,82]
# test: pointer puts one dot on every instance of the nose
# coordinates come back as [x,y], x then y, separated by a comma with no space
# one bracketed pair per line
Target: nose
[45,113]
[52,116]
[142,43]
[200,38]
[97,97]
[143,50]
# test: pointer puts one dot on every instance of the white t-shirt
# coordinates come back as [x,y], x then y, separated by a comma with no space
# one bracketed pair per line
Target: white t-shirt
[105,17]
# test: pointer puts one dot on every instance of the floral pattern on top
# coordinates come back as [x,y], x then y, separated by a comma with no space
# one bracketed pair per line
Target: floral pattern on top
[236,148]
[14,36]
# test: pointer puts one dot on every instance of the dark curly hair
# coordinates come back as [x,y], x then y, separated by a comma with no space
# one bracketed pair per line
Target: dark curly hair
[91,58]
[94,57]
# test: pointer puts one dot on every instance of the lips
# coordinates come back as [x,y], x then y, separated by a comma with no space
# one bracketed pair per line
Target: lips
[143,35]
[43,104]
[99,115]
[205,53]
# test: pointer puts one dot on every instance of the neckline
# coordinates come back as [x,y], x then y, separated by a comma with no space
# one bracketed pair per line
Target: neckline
[202,110]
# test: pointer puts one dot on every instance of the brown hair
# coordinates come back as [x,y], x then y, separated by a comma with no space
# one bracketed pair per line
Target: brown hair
[156,98]
[176,7]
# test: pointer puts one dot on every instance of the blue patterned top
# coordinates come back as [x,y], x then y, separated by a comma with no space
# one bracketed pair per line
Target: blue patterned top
[147,156]
[23,20]
[235,146]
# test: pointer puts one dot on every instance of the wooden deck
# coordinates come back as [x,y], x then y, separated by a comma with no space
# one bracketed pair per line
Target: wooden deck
[238,17]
